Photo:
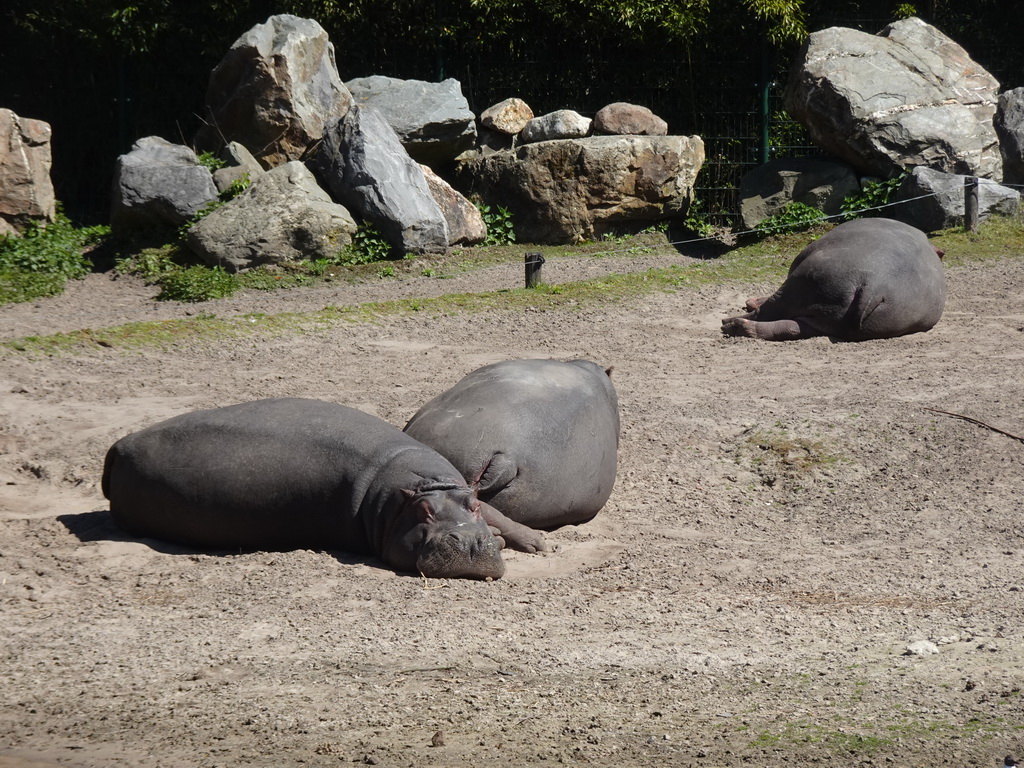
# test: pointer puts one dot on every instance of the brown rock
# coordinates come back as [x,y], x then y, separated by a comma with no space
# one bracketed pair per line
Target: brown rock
[509,116]
[26,192]
[625,119]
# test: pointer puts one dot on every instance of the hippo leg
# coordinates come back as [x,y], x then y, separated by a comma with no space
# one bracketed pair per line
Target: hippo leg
[494,476]
[755,303]
[513,535]
[769,330]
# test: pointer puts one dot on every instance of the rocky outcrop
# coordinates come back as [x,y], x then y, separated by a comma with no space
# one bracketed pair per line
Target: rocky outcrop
[362,163]
[1009,125]
[933,200]
[819,183]
[274,91]
[509,116]
[465,223]
[563,124]
[433,120]
[624,119]
[282,216]
[575,189]
[906,97]
[26,191]
[156,185]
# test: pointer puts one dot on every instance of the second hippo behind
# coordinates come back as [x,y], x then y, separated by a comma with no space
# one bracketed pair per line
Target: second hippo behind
[537,438]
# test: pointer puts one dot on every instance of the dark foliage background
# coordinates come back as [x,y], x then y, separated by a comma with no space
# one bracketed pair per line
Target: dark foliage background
[104,74]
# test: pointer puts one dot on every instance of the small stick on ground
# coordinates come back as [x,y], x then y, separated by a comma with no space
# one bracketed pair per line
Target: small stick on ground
[979,423]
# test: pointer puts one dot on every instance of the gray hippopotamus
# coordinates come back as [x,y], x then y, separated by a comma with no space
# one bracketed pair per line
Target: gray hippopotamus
[538,439]
[865,279]
[292,473]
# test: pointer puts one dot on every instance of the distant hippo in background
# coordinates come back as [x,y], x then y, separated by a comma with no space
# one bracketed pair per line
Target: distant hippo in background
[537,438]
[292,473]
[865,279]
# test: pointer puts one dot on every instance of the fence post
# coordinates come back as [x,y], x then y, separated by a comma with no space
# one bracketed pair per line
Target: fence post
[971,203]
[533,263]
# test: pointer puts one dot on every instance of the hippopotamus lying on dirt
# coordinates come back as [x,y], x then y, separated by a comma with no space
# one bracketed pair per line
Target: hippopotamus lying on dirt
[292,473]
[866,279]
[538,439]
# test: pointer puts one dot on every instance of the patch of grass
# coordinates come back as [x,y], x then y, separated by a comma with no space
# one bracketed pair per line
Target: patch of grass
[998,237]
[150,263]
[41,260]
[795,453]
[867,737]
[194,284]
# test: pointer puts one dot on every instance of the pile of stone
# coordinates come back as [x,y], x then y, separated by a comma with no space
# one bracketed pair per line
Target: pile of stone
[906,99]
[407,156]
[322,155]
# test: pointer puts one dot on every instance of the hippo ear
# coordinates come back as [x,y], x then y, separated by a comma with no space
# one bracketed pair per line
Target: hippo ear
[423,509]
[608,371]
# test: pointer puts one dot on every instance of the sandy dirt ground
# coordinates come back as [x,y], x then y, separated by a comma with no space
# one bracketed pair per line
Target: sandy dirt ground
[788,520]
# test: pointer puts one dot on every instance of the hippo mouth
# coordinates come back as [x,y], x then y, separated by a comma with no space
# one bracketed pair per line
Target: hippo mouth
[458,554]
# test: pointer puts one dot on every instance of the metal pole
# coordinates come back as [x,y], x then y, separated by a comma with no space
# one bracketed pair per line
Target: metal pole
[971,204]
[533,264]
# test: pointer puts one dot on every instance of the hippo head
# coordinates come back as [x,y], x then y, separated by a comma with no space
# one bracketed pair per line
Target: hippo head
[445,535]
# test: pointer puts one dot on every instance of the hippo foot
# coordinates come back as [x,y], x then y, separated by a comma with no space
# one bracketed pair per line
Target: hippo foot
[512,534]
[755,303]
[739,326]
[773,330]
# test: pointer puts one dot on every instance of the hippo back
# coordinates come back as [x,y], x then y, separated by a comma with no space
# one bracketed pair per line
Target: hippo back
[538,437]
[865,279]
[274,474]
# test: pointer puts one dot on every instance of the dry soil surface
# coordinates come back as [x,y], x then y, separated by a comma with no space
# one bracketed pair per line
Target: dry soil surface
[788,520]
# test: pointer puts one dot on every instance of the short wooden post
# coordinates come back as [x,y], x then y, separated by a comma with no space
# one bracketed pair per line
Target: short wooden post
[533,264]
[971,203]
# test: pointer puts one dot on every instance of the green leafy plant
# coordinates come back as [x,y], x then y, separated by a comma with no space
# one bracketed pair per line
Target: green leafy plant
[150,263]
[873,193]
[233,190]
[197,283]
[44,257]
[211,161]
[368,245]
[236,187]
[794,217]
[696,220]
[500,228]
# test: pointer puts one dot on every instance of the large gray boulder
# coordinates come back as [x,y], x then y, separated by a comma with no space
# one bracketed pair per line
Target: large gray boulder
[26,191]
[571,190]
[1009,125]
[906,97]
[156,185]
[934,200]
[363,165]
[817,182]
[274,91]
[433,120]
[282,216]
